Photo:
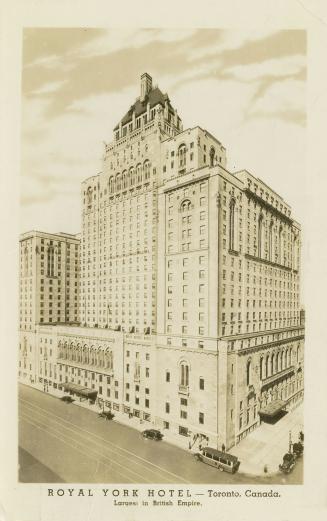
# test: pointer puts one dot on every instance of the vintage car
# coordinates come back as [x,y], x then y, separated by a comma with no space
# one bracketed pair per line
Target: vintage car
[152,434]
[288,463]
[67,399]
[298,449]
[108,415]
[219,459]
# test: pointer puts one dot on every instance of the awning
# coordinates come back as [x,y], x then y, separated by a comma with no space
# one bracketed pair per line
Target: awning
[272,408]
[80,389]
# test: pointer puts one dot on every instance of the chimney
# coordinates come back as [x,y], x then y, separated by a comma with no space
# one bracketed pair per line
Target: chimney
[146,85]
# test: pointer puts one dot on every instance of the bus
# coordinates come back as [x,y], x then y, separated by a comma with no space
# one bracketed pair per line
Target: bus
[221,460]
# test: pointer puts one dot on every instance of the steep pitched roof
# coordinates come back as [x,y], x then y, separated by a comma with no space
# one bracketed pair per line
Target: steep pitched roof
[154,97]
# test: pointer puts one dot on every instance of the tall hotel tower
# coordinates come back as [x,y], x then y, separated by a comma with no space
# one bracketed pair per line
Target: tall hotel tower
[189,291]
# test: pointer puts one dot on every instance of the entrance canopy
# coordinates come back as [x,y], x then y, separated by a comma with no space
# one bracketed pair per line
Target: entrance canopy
[80,390]
[272,409]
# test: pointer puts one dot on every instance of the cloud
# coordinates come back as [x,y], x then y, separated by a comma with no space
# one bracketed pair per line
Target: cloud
[284,99]
[246,88]
[49,88]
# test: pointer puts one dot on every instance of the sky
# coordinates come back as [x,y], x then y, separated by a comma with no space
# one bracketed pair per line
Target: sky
[245,88]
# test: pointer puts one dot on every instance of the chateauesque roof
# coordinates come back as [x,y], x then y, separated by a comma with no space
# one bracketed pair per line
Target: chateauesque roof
[154,97]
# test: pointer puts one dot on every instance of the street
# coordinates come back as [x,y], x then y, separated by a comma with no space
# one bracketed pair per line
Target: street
[62,442]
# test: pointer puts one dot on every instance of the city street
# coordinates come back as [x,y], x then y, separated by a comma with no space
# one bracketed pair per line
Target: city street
[62,442]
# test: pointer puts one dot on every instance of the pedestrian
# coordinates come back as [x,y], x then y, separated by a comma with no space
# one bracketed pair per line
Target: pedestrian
[223,447]
[200,446]
[189,445]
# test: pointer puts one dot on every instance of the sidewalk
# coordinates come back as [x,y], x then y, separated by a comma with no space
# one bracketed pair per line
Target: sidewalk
[267,445]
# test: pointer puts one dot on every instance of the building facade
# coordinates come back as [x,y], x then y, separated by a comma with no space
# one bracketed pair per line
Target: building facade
[49,281]
[189,304]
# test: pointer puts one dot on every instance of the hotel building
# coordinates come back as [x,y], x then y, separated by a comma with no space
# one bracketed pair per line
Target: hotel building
[189,303]
[49,282]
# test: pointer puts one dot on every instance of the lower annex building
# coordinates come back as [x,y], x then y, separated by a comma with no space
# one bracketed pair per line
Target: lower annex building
[188,287]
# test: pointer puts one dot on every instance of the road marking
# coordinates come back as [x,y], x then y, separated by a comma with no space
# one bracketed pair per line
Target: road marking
[97,454]
[105,441]
[102,446]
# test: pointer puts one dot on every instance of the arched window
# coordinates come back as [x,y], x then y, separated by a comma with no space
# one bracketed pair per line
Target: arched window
[282,360]
[111,185]
[277,362]
[146,170]
[128,178]
[267,366]
[260,236]
[232,225]
[85,354]
[248,372]
[272,364]
[184,374]
[186,206]
[139,173]
[212,156]
[132,176]
[182,156]
[297,353]
[261,368]
[124,179]
[118,182]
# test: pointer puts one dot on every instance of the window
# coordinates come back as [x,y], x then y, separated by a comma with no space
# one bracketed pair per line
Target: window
[212,156]
[201,384]
[186,206]
[260,235]
[183,414]
[184,374]
[270,242]
[167,376]
[167,407]
[201,418]
[182,156]
[248,373]
[183,431]
[232,225]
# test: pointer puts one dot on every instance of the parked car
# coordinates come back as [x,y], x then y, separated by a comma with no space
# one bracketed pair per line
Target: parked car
[298,449]
[108,415]
[288,463]
[66,398]
[152,434]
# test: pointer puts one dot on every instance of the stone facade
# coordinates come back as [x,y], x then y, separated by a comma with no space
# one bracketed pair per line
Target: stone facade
[189,304]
